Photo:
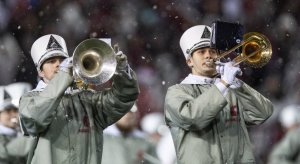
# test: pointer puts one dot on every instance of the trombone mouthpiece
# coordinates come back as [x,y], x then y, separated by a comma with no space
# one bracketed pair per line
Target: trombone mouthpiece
[210,63]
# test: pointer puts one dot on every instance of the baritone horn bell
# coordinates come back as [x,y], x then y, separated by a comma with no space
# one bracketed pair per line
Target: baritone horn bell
[94,62]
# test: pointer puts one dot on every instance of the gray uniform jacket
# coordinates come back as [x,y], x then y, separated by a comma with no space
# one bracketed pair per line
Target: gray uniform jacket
[287,151]
[68,127]
[209,128]
[14,149]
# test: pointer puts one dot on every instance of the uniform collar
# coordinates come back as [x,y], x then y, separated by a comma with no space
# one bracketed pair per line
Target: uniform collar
[42,85]
[196,79]
[7,131]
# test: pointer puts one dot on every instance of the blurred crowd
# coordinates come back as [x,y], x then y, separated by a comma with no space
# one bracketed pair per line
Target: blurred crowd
[148,32]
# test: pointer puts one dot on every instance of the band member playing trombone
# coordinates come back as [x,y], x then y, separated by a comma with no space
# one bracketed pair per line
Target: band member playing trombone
[67,125]
[208,116]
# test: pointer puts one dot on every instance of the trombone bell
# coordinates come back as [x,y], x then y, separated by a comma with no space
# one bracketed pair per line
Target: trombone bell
[256,50]
[94,62]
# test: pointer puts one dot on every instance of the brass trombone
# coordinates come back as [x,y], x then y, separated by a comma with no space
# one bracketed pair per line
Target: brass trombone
[256,50]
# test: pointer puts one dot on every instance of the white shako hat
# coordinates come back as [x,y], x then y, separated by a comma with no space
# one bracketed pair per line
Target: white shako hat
[16,90]
[10,95]
[5,100]
[48,46]
[290,115]
[151,122]
[194,38]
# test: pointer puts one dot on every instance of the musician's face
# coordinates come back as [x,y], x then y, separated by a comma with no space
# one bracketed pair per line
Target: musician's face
[9,118]
[49,68]
[201,62]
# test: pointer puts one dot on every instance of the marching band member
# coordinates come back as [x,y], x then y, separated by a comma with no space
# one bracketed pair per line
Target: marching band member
[208,116]
[129,144]
[14,147]
[286,151]
[68,126]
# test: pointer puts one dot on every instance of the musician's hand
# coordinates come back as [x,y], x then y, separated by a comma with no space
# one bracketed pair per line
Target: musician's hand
[122,63]
[66,65]
[219,67]
[236,84]
[229,72]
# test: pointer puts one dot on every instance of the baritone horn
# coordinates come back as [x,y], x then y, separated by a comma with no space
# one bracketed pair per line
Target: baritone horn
[256,50]
[94,63]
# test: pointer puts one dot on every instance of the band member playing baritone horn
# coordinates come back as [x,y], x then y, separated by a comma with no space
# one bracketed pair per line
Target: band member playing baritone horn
[208,116]
[68,126]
